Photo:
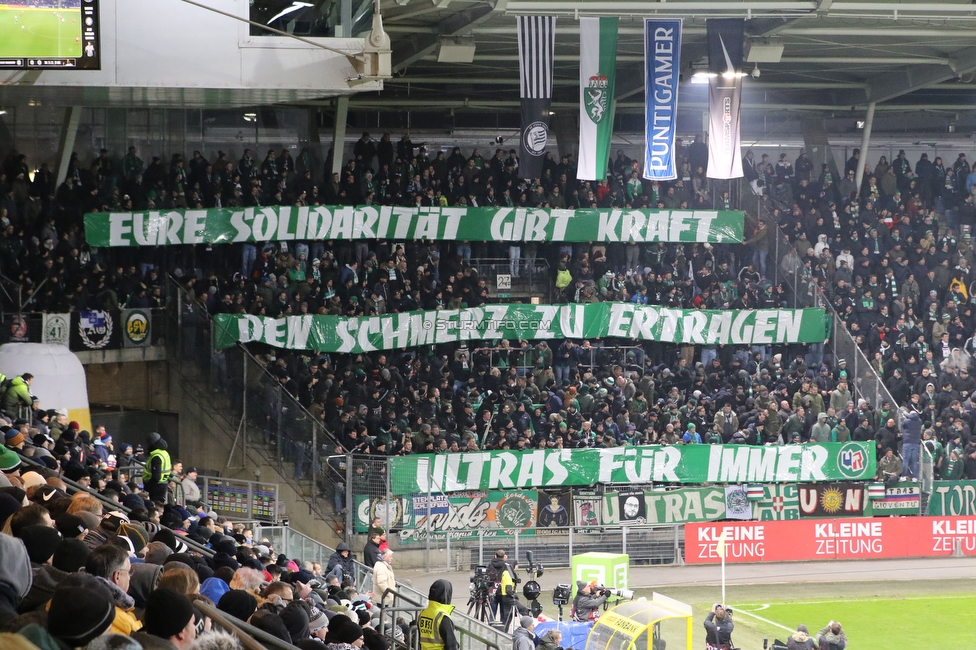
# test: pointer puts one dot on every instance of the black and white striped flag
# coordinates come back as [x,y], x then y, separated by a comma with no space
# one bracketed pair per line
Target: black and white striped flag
[537,42]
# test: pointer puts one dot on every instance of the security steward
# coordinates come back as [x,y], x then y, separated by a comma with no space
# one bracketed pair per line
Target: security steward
[434,623]
[158,469]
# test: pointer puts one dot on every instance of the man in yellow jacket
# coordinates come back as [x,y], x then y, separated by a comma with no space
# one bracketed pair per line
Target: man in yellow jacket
[110,564]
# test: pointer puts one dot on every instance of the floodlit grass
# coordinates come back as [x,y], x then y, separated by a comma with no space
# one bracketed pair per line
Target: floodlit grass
[40,32]
[930,614]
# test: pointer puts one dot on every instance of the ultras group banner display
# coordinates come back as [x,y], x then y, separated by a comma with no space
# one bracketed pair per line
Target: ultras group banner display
[286,223]
[598,72]
[662,65]
[680,506]
[523,322]
[470,514]
[725,50]
[493,470]
[830,539]
[536,45]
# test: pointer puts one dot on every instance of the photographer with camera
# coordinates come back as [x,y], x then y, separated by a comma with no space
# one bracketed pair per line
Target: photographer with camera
[718,628]
[506,598]
[589,599]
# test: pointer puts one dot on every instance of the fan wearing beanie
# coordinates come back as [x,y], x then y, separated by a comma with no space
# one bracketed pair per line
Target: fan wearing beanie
[169,616]
[77,615]
[343,634]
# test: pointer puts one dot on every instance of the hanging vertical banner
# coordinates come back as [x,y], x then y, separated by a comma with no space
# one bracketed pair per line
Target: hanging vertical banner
[725,45]
[536,43]
[598,70]
[662,64]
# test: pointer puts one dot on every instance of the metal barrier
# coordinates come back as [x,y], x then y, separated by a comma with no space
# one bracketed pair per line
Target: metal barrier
[250,637]
[472,634]
[257,410]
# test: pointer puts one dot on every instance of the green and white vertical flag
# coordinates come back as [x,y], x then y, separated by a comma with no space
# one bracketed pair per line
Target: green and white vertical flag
[598,69]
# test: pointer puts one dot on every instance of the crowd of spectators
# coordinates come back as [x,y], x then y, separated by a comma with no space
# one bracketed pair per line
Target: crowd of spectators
[894,263]
[121,565]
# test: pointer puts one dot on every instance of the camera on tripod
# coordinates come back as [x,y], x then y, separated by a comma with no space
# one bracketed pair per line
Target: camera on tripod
[480,580]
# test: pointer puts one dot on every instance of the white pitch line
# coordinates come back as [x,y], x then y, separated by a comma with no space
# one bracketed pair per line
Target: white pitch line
[764,620]
[763,606]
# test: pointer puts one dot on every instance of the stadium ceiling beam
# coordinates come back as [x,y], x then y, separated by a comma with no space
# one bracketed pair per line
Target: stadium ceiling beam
[416,47]
[890,85]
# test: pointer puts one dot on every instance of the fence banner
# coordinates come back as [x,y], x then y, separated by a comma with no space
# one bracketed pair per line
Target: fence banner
[665,507]
[598,70]
[56,329]
[662,65]
[898,501]
[523,322]
[493,470]
[136,328]
[466,515]
[832,500]
[286,223]
[953,498]
[830,539]
[779,501]
[95,330]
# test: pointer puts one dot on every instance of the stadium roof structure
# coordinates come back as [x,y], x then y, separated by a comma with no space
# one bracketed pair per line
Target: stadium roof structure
[836,55]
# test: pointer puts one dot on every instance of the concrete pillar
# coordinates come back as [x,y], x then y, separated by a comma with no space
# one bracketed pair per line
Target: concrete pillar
[339,133]
[66,140]
[566,130]
[865,143]
[116,133]
[818,148]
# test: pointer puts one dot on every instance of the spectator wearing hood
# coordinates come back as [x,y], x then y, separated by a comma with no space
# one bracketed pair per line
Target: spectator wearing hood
[341,563]
[16,577]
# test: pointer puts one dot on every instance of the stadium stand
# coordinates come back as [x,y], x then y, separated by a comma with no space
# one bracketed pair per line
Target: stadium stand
[895,266]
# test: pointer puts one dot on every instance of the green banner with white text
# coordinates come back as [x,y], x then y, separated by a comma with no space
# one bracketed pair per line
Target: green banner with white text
[507,470]
[524,322]
[287,223]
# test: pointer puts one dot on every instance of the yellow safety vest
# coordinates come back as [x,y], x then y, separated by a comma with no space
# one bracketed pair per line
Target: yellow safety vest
[165,465]
[429,625]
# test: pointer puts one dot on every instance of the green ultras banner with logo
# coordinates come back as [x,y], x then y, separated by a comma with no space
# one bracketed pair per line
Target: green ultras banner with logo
[525,322]
[506,470]
[285,223]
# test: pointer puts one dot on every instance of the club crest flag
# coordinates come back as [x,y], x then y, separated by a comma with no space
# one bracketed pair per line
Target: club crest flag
[598,70]
[725,49]
[536,43]
[662,64]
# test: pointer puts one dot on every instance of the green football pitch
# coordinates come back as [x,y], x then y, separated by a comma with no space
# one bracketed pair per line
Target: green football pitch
[875,615]
[40,32]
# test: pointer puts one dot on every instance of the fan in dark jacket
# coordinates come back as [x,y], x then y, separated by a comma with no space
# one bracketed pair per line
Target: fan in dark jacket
[341,563]
[371,552]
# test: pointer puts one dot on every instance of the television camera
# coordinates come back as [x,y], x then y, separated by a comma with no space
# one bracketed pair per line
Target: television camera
[531,589]
[479,602]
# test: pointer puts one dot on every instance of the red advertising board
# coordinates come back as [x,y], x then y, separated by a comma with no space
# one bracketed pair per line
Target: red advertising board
[830,539]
